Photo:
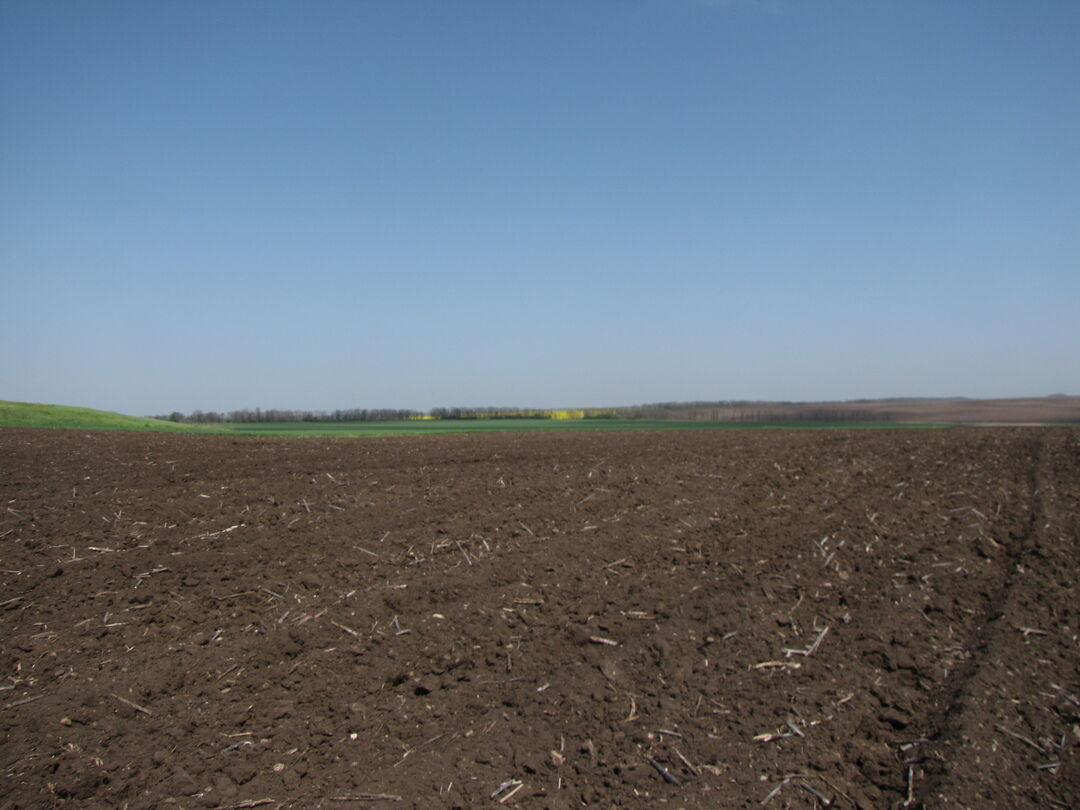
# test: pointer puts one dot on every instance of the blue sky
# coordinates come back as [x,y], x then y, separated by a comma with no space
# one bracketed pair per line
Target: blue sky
[394,203]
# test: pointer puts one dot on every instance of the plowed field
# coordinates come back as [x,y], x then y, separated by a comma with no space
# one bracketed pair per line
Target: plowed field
[727,619]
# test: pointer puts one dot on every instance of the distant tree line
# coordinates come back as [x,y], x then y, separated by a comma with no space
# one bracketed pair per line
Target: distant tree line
[283,415]
[721,411]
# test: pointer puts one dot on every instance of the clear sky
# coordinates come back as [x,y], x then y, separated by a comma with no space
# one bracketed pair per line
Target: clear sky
[396,203]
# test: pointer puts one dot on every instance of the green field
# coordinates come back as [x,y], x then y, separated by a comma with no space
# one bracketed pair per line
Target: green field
[435,426]
[32,415]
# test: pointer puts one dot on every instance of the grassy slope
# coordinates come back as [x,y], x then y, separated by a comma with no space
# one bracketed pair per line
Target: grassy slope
[33,415]
[36,415]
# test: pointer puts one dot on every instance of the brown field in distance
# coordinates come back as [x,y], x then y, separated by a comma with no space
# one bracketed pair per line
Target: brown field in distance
[1026,410]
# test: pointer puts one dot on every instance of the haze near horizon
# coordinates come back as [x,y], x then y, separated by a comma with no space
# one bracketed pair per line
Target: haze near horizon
[215,206]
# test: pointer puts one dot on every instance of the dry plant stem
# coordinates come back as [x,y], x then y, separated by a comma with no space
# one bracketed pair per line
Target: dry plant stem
[367,797]
[692,768]
[511,792]
[134,706]
[817,641]
[505,786]
[775,790]
[23,702]
[910,787]
[771,736]
[811,649]
[777,664]
[670,778]
[839,792]
[226,672]
[825,801]
[348,630]
[1022,738]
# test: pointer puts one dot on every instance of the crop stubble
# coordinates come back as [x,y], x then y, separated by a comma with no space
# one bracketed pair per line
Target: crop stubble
[737,619]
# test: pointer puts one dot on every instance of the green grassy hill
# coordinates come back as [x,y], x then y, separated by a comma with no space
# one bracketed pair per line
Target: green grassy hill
[37,415]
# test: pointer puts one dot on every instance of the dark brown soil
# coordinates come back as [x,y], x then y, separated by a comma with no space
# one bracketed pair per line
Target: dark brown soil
[675,619]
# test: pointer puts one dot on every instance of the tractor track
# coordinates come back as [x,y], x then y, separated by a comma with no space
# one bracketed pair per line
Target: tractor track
[968,708]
